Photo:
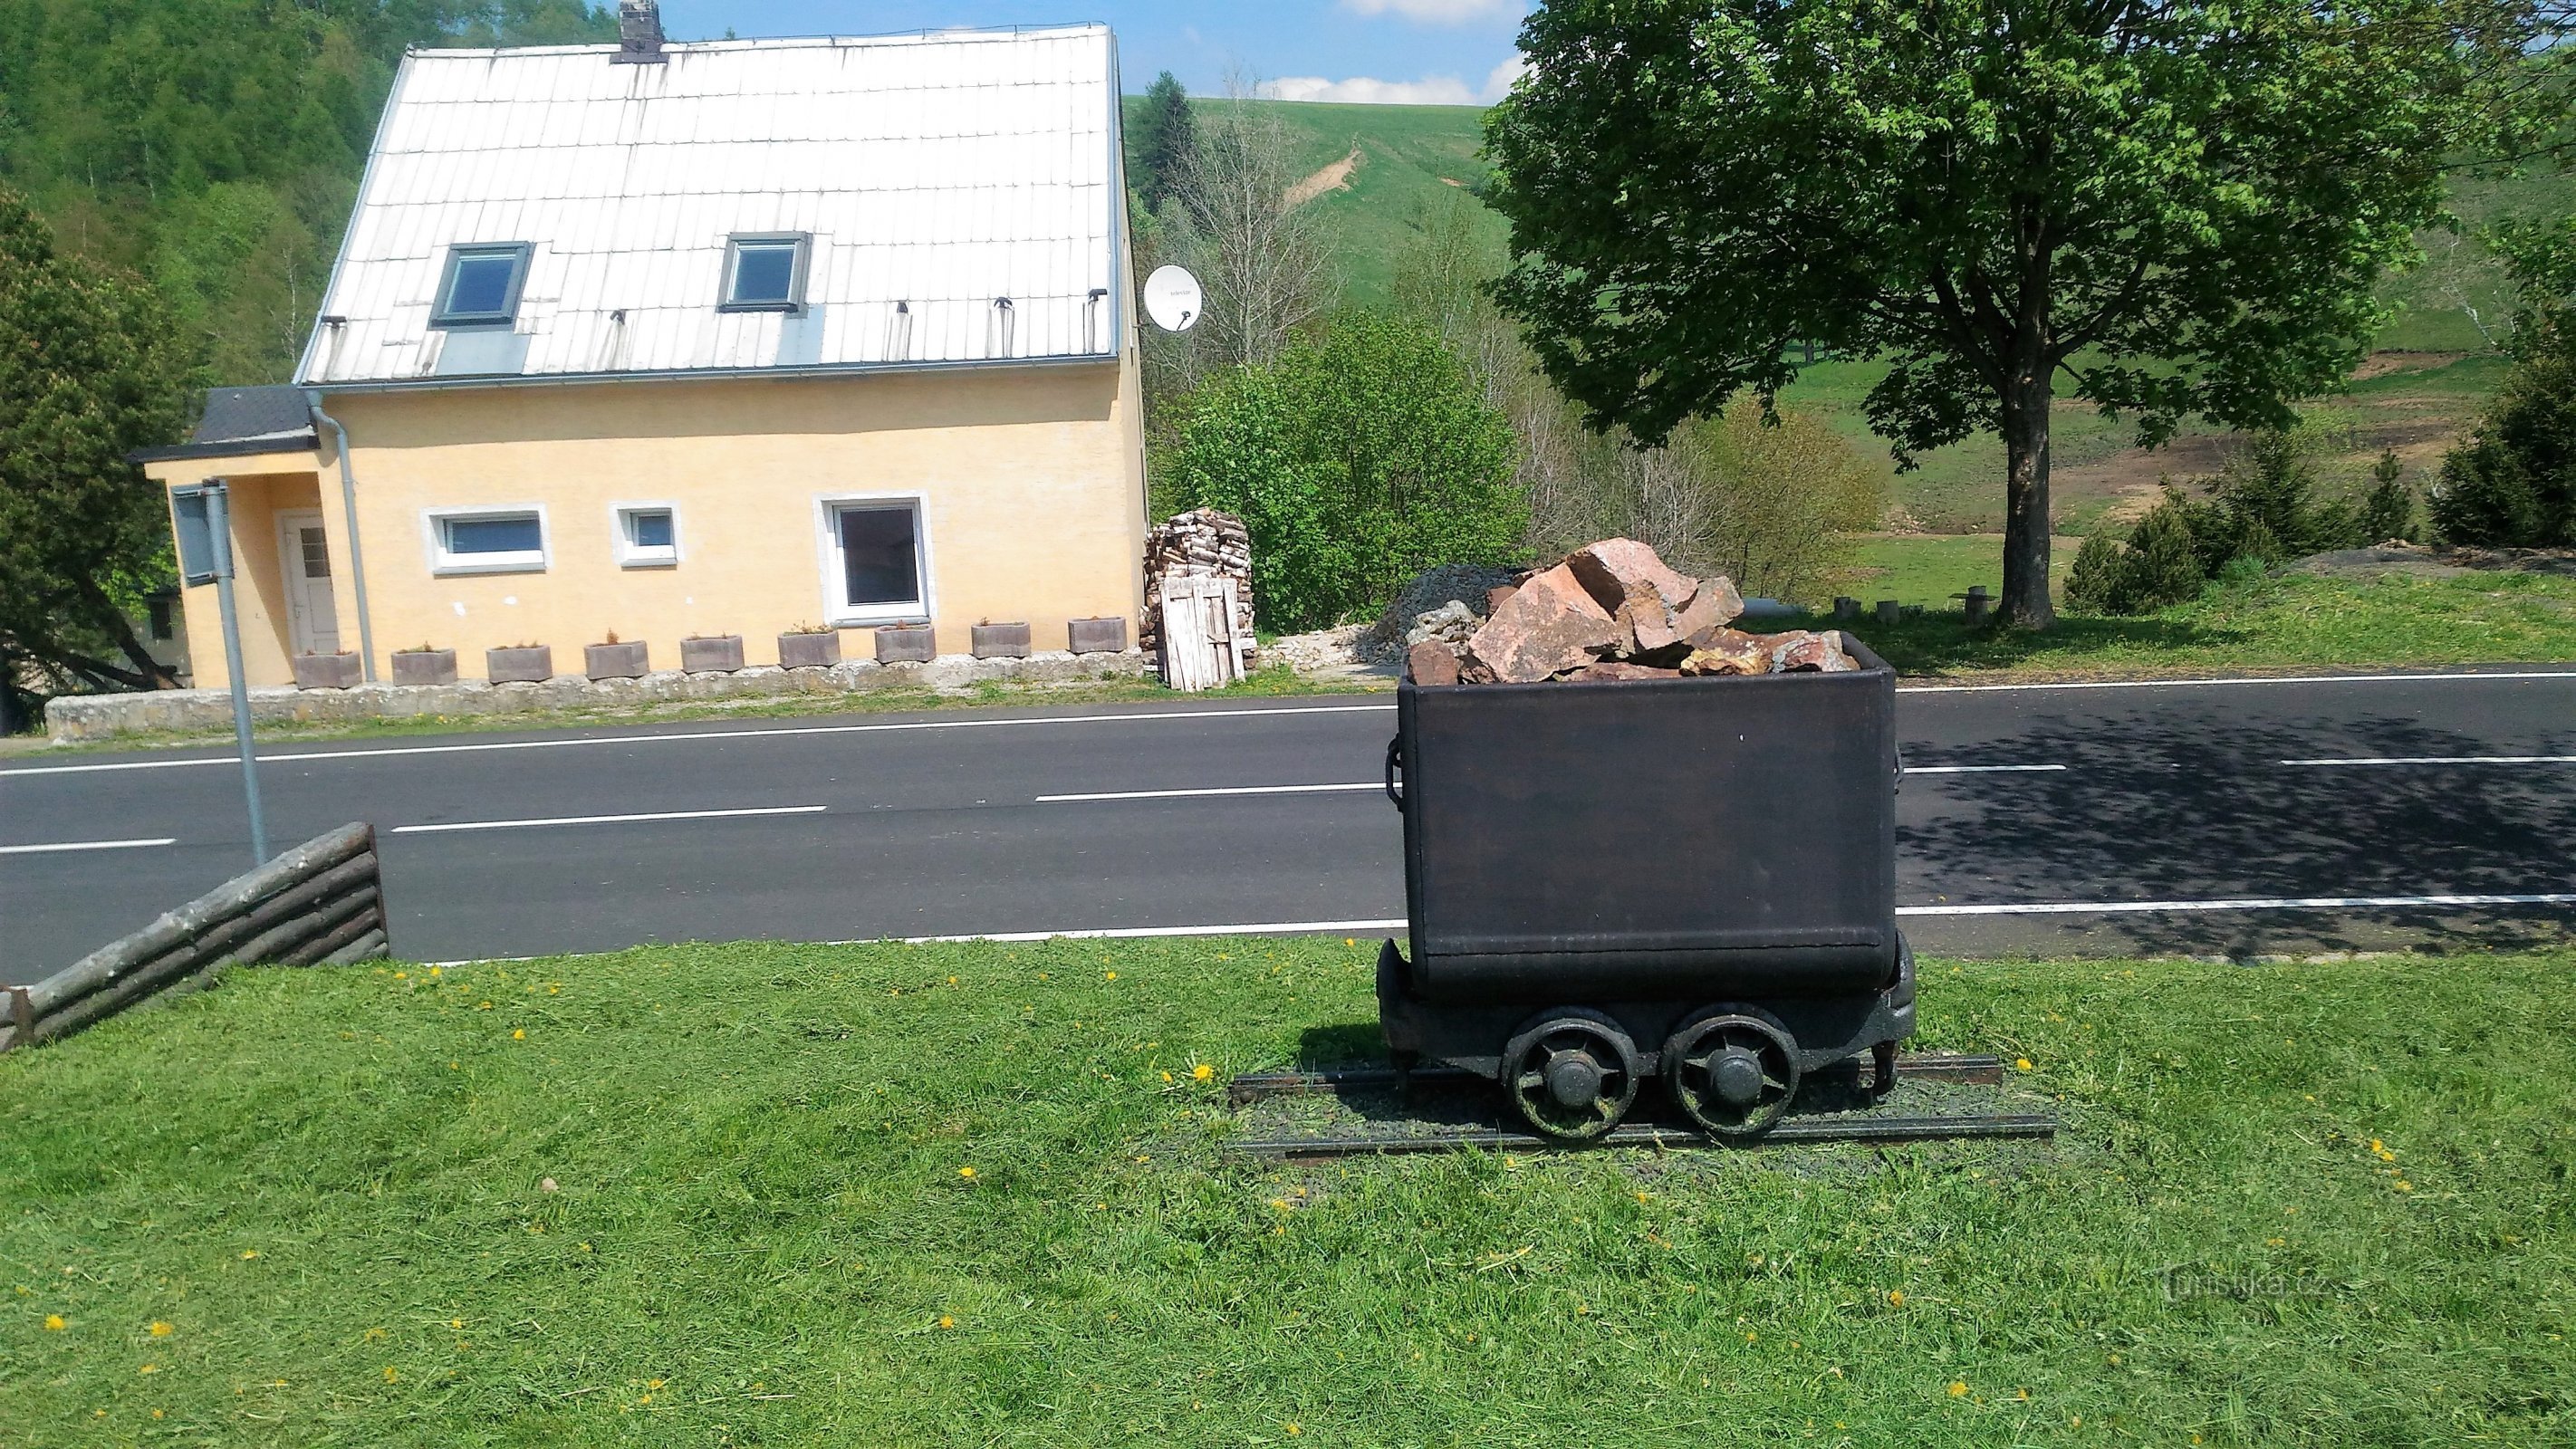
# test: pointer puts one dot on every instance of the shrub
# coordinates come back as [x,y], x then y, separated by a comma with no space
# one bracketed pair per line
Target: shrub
[1356,462]
[2513,484]
[2389,511]
[2160,566]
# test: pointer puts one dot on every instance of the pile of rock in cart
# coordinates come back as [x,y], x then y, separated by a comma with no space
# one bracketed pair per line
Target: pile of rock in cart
[1613,610]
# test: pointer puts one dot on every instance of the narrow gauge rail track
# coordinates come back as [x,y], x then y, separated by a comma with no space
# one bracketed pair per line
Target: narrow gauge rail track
[1847,1127]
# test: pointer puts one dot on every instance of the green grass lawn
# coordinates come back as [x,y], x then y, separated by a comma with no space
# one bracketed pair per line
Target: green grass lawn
[2254,623]
[1933,569]
[973,1195]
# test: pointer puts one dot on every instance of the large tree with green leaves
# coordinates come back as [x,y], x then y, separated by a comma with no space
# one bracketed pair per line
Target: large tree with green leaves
[1165,134]
[91,368]
[2164,208]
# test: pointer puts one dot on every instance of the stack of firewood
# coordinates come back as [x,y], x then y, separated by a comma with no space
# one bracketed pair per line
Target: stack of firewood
[1204,544]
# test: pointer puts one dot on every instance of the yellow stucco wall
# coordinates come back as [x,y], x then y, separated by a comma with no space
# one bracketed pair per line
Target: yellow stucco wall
[1030,481]
[259,488]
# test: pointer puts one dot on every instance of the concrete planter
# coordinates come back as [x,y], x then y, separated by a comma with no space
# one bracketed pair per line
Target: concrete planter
[1001,641]
[425,666]
[1098,636]
[710,656]
[809,651]
[907,644]
[615,661]
[327,671]
[534,664]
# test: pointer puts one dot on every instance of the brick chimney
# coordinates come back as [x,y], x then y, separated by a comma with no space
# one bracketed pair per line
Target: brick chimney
[639,33]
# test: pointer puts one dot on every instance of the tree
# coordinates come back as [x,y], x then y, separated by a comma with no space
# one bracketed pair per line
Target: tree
[2513,484]
[1164,137]
[1357,461]
[91,368]
[1262,261]
[2179,206]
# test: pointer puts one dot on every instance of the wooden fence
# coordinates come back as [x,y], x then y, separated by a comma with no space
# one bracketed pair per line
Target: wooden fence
[321,903]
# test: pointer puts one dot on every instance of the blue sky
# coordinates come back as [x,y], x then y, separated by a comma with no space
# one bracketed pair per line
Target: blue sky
[1457,52]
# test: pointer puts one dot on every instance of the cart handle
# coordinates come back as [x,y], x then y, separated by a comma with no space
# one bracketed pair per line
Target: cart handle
[1395,772]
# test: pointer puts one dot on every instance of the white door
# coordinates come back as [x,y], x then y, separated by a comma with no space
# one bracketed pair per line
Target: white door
[1201,647]
[304,552]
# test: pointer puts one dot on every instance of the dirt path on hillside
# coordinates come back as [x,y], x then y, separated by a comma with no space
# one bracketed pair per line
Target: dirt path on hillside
[1336,177]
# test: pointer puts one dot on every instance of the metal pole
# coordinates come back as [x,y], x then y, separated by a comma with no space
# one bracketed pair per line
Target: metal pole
[349,514]
[219,520]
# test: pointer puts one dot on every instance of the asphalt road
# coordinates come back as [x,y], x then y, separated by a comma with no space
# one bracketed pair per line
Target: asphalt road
[2213,818]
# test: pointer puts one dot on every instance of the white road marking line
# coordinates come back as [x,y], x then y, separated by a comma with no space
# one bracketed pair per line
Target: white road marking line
[1982,769]
[567,744]
[609,819]
[2209,683]
[2440,760]
[86,845]
[2315,903]
[1198,794]
[1138,933]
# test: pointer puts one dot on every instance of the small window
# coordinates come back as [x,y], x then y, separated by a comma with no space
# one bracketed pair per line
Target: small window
[499,541]
[482,285]
[161,618]
[765,274]
[648,536]
[877,562]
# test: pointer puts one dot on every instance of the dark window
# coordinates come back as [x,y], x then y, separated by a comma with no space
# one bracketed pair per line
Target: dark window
[880,564]
[652,528]
[516,535]
[482,285]
[160,617]
[765,274]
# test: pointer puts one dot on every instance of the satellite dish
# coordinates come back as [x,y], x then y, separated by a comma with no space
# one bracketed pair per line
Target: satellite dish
[1173,299]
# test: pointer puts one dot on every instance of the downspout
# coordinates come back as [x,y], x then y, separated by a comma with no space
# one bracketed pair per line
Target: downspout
[349,511]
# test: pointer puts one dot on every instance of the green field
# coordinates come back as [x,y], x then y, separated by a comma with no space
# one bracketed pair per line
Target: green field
[973,1195]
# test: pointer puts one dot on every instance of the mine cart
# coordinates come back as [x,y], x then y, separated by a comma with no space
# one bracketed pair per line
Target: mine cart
[1686,879]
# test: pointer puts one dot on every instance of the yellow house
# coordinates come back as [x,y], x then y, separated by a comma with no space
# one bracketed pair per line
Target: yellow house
[665,341]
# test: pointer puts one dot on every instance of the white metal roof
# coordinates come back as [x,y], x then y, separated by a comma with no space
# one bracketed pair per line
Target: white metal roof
[936,173]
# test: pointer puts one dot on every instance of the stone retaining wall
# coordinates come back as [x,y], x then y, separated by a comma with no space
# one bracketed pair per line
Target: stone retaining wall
[80,718]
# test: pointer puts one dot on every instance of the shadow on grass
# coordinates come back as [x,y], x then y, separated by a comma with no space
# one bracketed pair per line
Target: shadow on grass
[1944,643]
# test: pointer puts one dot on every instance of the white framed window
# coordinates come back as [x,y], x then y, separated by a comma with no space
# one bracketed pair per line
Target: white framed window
[876,559]
[648,535]
[487,540]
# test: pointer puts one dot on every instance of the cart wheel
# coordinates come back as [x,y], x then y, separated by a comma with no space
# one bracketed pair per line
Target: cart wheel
[1734,1070]
[1571,1074]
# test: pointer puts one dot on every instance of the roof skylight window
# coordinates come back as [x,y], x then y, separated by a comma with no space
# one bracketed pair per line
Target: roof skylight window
[766,273]
[482,285]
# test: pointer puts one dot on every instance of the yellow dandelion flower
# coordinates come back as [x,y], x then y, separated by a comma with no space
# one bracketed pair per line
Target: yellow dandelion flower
[149,1368]
[1350,941]
[162,1330]
[1958,1389]
[2404,1186]
[1203,1073]
[1167,1077]
[1896,1297]
[456,1323]
[966,1172]
[2021,1064]
[1109,975]
[392,1377]
[249,1253]
[652,1383]
[54,1323]
[2022,1395]
[648,1398]
[952,980]
[1293,1429]
[156,1413]
[520,1035]
[1641,1195]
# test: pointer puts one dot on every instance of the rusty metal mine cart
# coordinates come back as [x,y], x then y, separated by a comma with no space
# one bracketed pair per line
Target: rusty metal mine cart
[1690,879]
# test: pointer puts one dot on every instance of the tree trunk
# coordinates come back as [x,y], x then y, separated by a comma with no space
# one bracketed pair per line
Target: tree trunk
[2025,603]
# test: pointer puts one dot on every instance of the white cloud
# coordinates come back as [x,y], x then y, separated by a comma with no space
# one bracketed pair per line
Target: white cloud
[1437,90]
[1437,12]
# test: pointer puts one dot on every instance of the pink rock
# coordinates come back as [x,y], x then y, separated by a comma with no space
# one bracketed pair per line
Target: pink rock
[1549,625]
[1432,662]
[1495,596]
[1801,652]
[1728,651]
[1715,605]
[1618,572]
